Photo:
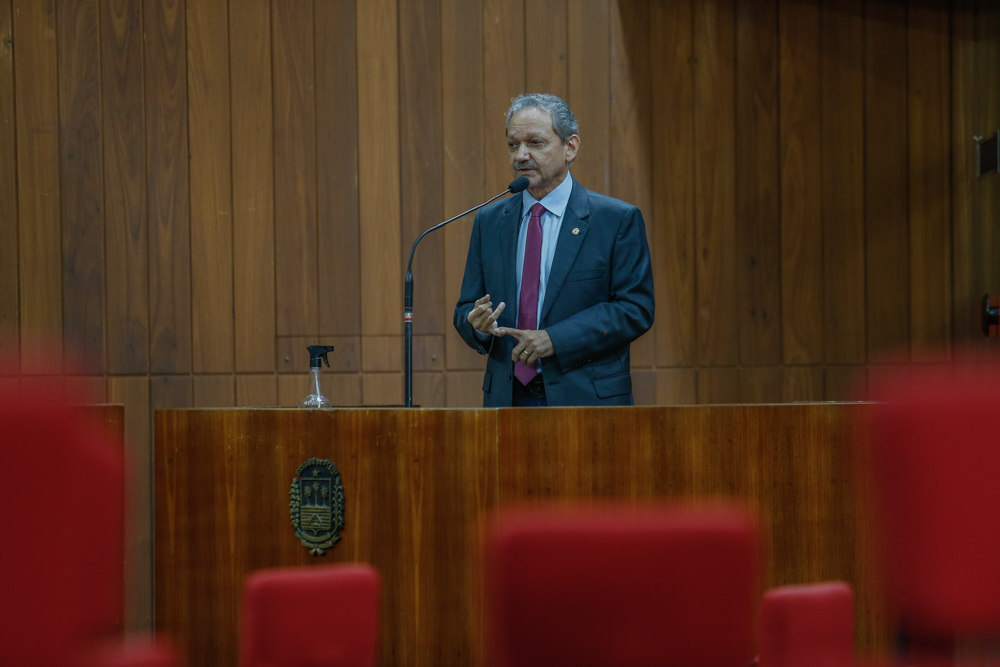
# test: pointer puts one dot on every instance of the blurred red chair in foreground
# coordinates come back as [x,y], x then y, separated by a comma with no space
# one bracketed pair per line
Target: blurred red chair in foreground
[622,587]
[935,463]
[62,531]
[807,626]
[325,616]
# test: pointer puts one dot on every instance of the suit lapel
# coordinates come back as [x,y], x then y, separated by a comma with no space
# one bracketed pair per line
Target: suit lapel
[507,242]
[568,245]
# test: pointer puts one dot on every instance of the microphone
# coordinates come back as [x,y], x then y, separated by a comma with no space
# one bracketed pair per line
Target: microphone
[519,184]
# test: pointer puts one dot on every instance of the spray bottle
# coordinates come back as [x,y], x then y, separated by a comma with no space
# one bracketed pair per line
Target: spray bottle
[317,355]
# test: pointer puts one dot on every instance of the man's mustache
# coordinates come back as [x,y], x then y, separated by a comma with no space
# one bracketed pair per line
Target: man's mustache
[528,164]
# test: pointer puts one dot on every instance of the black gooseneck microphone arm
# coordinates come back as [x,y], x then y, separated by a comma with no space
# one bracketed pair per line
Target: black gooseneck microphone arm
[517,185]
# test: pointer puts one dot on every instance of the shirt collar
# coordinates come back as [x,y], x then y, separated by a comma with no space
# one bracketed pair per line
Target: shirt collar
[555,202]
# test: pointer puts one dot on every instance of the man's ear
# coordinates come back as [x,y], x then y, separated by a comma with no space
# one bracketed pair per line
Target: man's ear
[572,146]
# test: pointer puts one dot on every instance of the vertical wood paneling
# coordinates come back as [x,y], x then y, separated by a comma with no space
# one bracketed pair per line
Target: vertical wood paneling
[421,158]
[9,284]
[294,167]
[81,164]
[968,275]
[842,168]
[801,183]
[718,385]
[253,184]
[802,384]
[337,144]
[211,186]
[631,128]
[676,386]
[715,177]
[673,215]
[214,391]
[588,45]
[256,391]
[381,388]
[546,46]
[171,392]
[504,78]
[133,393]
[40,243]
[126,238]
[758,211]
[168,187]
[929,117]
[463,168]
[378,165]
[887,265]
[762,384]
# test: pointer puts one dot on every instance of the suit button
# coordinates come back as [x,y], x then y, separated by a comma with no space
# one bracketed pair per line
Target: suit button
[508,376]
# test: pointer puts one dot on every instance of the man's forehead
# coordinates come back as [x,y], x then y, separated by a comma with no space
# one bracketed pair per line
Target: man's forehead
[540,120]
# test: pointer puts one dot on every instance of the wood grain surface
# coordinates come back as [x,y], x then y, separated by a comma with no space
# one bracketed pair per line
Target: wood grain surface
[419,486]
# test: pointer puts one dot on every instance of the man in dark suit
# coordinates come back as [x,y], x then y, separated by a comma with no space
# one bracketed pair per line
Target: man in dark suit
[572,264]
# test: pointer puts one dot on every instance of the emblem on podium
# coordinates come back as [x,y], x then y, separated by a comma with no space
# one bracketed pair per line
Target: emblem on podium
[317,505]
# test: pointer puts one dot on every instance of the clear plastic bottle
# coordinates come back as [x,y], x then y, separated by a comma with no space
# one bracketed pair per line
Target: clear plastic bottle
[317,357]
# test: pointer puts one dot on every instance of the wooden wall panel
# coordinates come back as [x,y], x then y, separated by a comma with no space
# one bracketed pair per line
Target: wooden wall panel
[9,284]
[253,180]
[714,181]
[378,165]
[504,64]
[631,129]
[38,195]
[213,391]
[968,275]
[801,221]
[256,391]
[673,214]
[337,144]
[209,121]
[421,161]
[843,185]
[588,61]
[126,237]
[463,169]
[758,185]
[929,117]
[887,265]
[294,89]
[546,43]
[81,166]
[168,186]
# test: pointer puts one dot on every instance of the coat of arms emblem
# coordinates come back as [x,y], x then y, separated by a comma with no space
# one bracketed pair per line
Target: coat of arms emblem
[317,505]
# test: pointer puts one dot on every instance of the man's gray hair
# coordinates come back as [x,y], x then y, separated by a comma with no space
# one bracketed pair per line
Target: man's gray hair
[563,120]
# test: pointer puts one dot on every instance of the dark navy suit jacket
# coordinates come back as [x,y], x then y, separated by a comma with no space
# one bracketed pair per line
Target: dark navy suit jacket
[599,298]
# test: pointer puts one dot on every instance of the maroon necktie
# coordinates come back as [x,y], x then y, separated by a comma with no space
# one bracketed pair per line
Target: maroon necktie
[527,310]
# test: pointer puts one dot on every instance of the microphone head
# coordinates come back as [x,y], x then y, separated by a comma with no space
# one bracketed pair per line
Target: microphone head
[519,184]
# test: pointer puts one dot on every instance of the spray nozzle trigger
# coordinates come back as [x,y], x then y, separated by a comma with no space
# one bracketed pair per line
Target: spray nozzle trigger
[317,352]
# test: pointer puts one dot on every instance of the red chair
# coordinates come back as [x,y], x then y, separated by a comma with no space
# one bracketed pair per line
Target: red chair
[623,587]
[935,459]
[810,625]
[62,531]
[324,616]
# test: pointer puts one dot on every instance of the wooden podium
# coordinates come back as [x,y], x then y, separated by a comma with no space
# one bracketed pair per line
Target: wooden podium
[420,484]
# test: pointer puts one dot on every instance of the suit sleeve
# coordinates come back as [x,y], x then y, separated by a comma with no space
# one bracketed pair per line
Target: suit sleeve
[626,315]
[473,289]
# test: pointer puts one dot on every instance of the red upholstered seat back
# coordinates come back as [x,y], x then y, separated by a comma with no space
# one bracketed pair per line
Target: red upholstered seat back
[61,533]
[324,616]
[807,625]
[629,588]
[935,441]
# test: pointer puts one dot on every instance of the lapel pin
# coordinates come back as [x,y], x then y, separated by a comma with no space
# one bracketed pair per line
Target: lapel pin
[576,230]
